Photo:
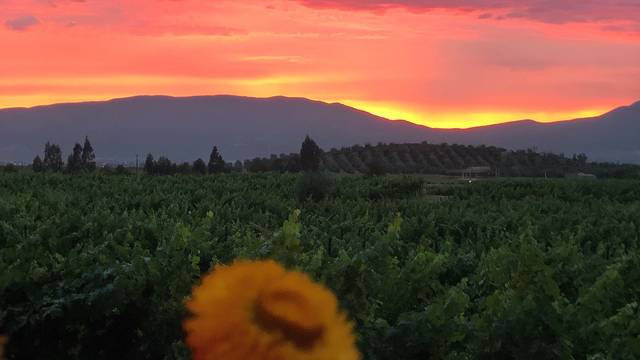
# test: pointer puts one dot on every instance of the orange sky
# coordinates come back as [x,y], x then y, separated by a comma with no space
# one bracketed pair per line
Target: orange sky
[442,63]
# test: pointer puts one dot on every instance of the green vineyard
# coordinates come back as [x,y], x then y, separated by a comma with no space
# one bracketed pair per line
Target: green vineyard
[99,267]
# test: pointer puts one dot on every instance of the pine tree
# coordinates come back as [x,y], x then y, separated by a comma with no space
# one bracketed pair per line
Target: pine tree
[310,154]
[199,167]
[216,163]
[74,161]
[149,165]
[37,165]
[88,156]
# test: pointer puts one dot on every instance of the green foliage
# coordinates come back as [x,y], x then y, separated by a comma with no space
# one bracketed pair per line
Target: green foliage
[98,267]
[312,186]
[286,246]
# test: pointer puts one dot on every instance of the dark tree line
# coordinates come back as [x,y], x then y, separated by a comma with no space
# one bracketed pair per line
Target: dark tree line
[439,159]
[81,159]
[164,166]
[307,160]
[380,159]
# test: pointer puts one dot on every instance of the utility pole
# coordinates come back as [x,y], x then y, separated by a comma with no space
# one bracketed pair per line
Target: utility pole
[136,164]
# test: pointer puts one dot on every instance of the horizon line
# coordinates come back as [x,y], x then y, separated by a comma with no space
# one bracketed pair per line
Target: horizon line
[354,107]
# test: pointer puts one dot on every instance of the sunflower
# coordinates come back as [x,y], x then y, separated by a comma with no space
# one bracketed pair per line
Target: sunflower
[258,310]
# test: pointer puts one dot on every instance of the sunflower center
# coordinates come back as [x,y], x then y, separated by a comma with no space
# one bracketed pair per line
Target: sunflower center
[291,314]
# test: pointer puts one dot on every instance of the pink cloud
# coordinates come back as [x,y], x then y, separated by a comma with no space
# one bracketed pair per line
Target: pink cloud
[547,11]
[454,56]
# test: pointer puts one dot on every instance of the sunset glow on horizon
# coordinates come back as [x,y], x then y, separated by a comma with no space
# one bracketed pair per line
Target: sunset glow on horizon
[434,62]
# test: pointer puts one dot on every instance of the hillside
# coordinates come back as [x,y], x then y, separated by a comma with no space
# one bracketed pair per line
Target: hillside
[186,128]
[613,136]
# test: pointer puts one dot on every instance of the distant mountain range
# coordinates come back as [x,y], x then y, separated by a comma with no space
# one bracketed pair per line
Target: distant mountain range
[186,128]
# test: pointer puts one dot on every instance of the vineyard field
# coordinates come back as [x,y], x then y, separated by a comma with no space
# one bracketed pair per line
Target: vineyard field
[99,267]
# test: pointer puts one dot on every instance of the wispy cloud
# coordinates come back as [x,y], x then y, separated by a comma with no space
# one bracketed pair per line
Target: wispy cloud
[22,23]
[546,11]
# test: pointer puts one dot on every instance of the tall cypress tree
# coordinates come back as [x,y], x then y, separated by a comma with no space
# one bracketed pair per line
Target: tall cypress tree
[310,154]
[47,156]
[88,156]
[74,162]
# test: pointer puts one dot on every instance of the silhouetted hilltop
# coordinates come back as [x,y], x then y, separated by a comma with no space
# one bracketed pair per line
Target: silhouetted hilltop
[242,127]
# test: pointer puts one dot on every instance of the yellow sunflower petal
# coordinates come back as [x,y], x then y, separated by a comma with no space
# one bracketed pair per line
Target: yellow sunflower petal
[258,310]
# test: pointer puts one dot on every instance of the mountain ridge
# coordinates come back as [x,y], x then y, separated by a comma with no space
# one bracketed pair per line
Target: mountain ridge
[245,127]
[299,98]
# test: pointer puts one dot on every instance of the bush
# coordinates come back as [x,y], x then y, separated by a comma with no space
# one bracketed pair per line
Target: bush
[121,170]
[313,186]
[10,168]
